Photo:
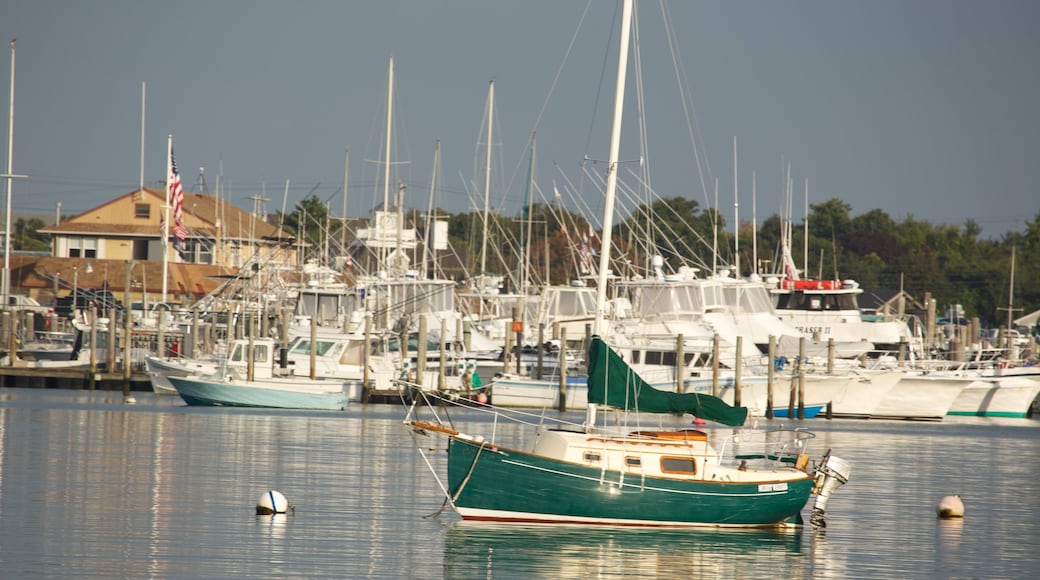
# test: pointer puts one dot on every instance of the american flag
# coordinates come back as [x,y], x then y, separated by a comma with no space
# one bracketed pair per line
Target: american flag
[177,200]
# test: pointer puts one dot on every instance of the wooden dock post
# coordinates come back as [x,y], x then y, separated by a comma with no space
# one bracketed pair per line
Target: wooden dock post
[715,365]
[541,351]
[442,379]
[680,364]
[770,375]
[563,370]
[92,320]
[736,372]
[801,378]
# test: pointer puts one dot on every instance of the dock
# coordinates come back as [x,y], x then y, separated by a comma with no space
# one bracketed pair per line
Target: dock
[34,378]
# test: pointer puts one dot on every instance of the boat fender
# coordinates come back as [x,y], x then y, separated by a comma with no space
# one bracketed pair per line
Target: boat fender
[802,461]
[779,363]
[273,502]
[950,506]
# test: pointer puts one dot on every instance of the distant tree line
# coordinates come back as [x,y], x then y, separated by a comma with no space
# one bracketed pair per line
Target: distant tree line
[953,263]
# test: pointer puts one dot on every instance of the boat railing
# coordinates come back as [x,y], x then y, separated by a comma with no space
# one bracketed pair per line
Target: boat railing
[437,404]
[768,446]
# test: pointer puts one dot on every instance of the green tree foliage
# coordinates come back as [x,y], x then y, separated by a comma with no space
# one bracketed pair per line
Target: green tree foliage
[27,237]
[308,222]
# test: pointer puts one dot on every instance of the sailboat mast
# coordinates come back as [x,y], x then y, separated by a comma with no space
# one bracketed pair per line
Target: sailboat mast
[736,209]
[429,255]
[612,163]
[487,175]
[140,184]
[343,226]
[386,160]
[1011,297]
[754,227]
[715,231]
[10,175]
[805,237]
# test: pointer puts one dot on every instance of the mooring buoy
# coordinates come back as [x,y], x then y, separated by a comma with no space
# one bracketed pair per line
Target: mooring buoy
[273,502]
[950,506]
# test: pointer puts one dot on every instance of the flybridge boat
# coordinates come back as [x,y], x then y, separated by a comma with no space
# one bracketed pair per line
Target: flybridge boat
[829,309]
[634,474]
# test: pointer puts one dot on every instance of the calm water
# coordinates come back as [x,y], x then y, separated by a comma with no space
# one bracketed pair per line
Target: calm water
[90,487]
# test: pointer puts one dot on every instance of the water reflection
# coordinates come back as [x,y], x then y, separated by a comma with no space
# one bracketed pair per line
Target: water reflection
[499,551]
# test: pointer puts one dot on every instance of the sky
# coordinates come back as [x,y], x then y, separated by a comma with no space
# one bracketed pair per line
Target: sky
[921,108]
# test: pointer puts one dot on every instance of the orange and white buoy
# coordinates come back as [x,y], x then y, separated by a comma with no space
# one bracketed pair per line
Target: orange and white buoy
[950,506]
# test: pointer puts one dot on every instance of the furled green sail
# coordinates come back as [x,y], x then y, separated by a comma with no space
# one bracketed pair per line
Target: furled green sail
[612,382]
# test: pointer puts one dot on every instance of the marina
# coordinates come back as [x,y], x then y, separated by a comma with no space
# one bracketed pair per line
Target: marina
[418,394]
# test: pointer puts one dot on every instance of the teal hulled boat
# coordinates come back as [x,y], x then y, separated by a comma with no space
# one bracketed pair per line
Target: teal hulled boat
[683,477]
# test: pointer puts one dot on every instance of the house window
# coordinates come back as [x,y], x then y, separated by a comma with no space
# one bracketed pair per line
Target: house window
[142,210]
[82,247]
[682,465]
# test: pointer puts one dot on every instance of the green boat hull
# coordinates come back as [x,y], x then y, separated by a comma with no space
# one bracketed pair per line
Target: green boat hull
[492,484]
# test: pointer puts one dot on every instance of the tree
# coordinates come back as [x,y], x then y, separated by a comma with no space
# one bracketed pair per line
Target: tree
[27,237]
[308,221]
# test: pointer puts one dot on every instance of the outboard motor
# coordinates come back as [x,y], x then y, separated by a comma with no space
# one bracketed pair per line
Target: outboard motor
[833,472]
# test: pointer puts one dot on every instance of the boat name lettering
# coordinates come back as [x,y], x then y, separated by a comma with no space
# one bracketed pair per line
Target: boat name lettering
[765,487]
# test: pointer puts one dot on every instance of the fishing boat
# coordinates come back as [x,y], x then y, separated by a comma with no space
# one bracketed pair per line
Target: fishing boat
[276,392]
[161,368]
[249,377]
[632,474]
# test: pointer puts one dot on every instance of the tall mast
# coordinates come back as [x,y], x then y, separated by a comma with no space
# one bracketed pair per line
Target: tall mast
[487,174]
[805,237]
[736,208]
[430,253]
[754,228]
[140,181]
[10,175]
[525,240]
[386,167]
[612,163]
[343,226]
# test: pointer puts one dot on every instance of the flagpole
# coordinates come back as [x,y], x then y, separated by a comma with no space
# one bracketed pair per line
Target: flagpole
[166,219]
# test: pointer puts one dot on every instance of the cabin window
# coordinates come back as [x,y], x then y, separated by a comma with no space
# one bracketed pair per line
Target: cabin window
[591,457]
[260,353]
[142,210]
[633,462]
[635,356]
[682,465]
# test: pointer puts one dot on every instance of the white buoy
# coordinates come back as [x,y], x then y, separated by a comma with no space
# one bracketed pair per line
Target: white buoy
[273,502]
[950,506]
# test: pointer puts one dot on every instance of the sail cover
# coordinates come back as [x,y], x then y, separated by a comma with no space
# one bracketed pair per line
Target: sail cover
[612,382]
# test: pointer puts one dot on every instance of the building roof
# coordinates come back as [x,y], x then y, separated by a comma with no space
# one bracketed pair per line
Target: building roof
[41,273]
[204,214]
